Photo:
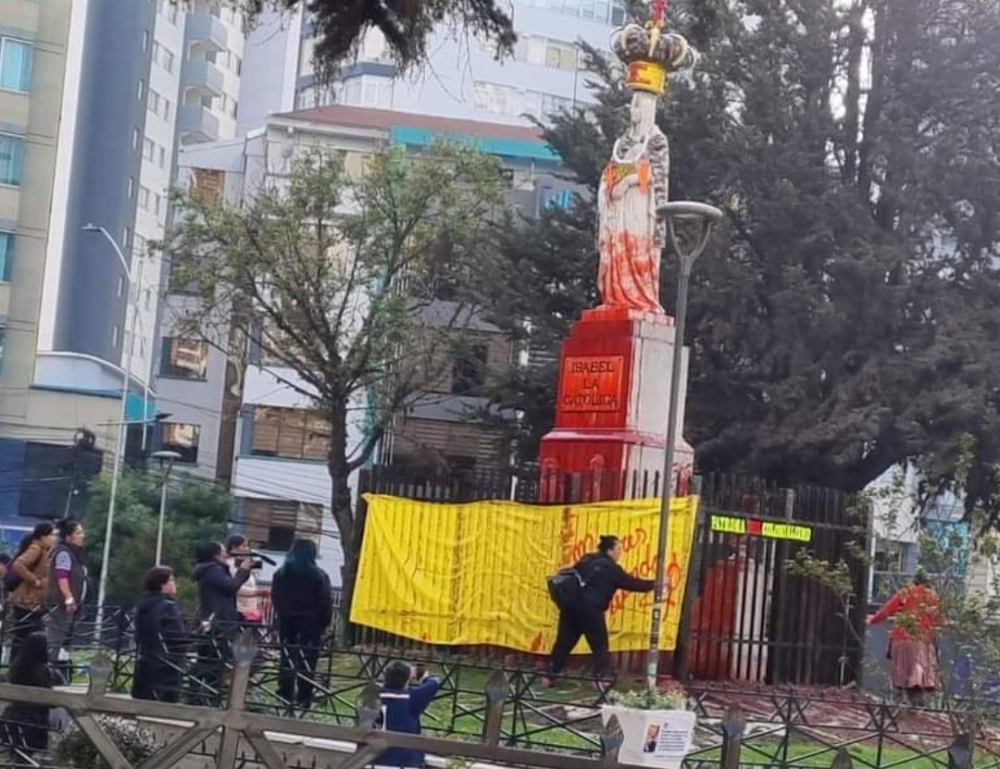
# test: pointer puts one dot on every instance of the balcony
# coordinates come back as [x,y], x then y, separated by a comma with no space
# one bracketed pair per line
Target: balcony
[203,76]
[197,123]
[205,28]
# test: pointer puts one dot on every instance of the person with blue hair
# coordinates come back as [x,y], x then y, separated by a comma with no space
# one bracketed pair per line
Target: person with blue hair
[303,602]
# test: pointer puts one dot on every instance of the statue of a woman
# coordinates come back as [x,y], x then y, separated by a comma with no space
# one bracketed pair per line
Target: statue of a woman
[635,183]
[630,236]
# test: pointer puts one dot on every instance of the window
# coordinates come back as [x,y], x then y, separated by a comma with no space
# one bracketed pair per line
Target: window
[148,148]
[163,157]
[157,203]
[15,64]
[135,138]
[115,334]
[130,188]
[603,11]
[184,358]
[144,198]
[3,345]
[169,9]
[468,370]
[207,185]
[158,105]
[497,99]
[11,159]
[145,40]
[121,285]
[141,89]
[163,56]
[138,246]
[6,255]
[545,52]
[273,524]
[182,438]
[293,433]
[126,237]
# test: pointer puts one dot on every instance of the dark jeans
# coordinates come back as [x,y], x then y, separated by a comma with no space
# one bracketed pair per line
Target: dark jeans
[24,622]
[210,673]
[156,679]
[588,623]
[300,642]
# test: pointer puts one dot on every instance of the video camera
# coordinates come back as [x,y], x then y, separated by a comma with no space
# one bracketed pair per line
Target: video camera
[257,560]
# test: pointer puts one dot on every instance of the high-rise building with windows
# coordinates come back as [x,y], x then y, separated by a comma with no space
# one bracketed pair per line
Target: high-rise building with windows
[96,96]
[462,78]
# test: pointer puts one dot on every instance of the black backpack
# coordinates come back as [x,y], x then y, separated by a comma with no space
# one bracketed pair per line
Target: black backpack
[11,580]
[566,587]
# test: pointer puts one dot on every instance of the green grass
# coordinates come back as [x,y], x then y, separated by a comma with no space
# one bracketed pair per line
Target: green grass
[808,755]
[449,716]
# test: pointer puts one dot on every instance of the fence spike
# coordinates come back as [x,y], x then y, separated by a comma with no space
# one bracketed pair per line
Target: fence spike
[733,727]
[612,738]
[960,753]
[369,706]
[496,695]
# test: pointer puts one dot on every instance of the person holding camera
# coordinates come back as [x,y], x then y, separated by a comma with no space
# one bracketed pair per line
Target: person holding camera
[218,620]
[248,599]
[218,588]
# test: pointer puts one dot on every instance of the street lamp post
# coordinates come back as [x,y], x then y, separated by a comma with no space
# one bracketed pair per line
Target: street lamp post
[167,459]
[102,585]
[707,215]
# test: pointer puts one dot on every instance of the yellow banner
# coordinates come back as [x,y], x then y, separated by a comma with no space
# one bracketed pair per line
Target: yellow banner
[474,573]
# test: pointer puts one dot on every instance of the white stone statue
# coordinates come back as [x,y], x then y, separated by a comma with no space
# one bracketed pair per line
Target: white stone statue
[635,183]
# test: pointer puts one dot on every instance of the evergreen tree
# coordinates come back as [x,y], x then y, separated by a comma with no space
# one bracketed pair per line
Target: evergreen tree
[844,318]
[197,512]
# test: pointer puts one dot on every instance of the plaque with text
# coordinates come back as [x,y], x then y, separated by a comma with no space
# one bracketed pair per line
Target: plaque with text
[592,383]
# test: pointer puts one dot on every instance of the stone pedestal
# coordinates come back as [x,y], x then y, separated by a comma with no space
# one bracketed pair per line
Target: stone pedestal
[611,409]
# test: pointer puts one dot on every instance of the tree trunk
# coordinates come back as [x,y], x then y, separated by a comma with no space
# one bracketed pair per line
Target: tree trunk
[343,512]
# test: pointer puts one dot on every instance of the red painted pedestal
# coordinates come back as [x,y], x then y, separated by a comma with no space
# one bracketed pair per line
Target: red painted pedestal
[611,410]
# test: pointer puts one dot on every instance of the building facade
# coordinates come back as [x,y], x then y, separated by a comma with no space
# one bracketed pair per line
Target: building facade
[462,78]
[95,98]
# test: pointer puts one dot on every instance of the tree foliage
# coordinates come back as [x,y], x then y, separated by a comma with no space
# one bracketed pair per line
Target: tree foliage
[844,318]
[406,25]
[354,288]
[197,512]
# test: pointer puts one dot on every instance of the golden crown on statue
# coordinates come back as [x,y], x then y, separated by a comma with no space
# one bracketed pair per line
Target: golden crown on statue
[649,53]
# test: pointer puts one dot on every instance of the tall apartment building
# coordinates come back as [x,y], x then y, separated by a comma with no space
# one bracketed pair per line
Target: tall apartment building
[95,98]
[461,80]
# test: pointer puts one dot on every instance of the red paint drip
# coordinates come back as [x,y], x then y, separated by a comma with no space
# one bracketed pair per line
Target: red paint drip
[657,11]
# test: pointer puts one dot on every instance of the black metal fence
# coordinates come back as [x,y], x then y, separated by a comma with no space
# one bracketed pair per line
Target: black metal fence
[754,617]
[747,616]
[738,726]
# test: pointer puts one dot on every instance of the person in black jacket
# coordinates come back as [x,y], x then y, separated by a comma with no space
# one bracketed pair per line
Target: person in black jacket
[24,726]
[303,601]
[219,622]
[160,640]
[602,577]
[217,588]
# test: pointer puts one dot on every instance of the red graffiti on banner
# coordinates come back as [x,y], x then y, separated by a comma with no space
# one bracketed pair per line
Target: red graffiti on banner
[647,570]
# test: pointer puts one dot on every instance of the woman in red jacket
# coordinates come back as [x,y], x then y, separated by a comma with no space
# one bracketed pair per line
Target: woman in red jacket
[915,611]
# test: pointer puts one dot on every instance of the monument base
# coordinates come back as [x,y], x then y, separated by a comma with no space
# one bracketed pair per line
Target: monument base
[611,412]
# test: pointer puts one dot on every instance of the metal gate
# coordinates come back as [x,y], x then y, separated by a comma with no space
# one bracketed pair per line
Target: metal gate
[751,617]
